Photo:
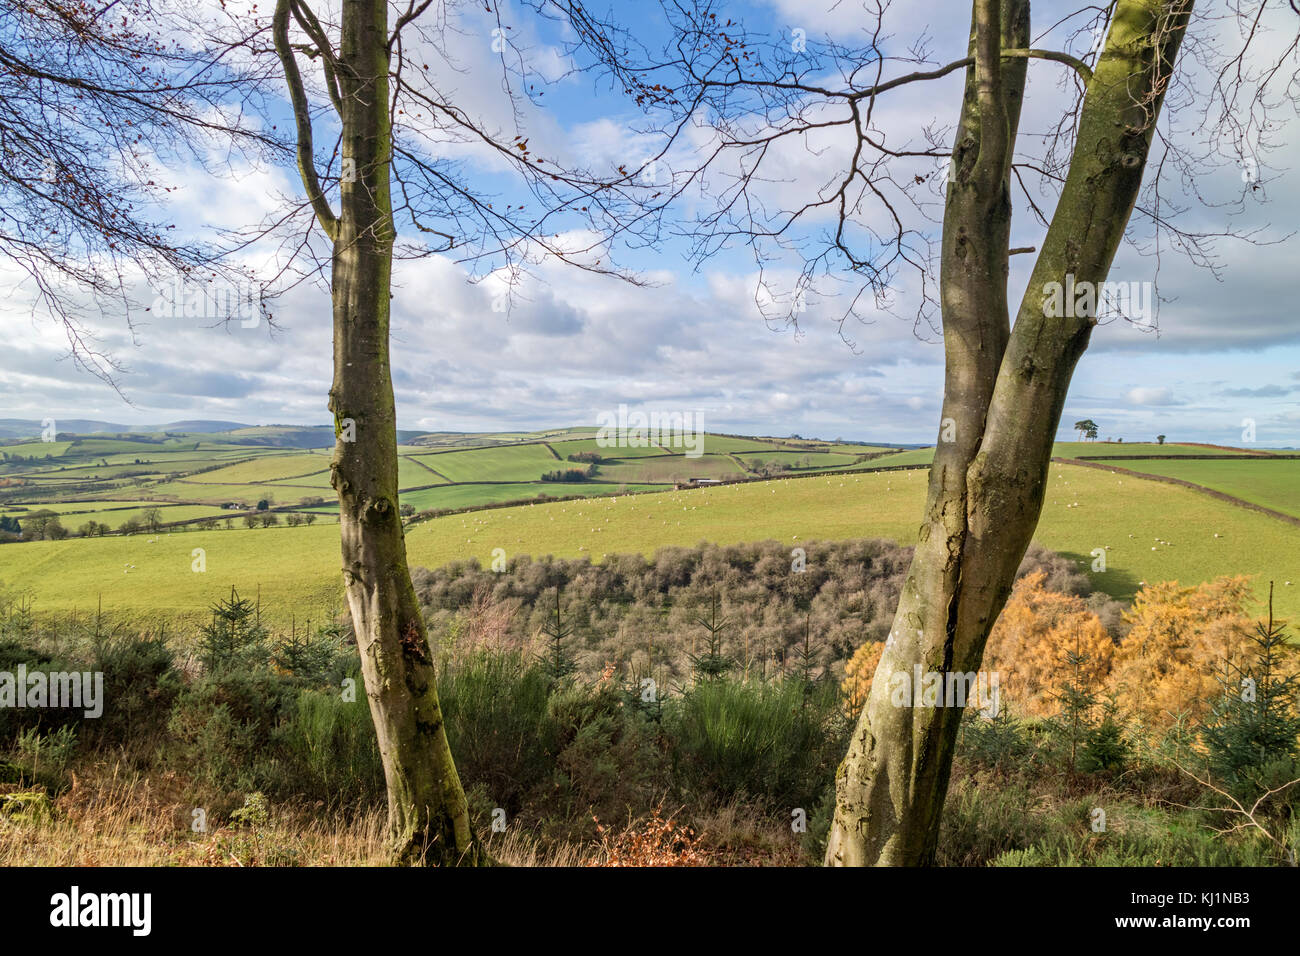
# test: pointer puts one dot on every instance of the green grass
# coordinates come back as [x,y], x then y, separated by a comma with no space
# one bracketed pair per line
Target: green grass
[915,456]
[1072,449]
[566,448]
[711,444]
[265,468]
[93,471]
[319,480]
[500,463]
[299,473]
[493,439]
[115,519]
[411,473]
[297,568]
[1273,484]
[194,491]
[40,449]
[79,507]
[817,460]
[72,516]
[188,456]
[99,447]
[1085,449]
[465,496]
[725,445]
[852,449]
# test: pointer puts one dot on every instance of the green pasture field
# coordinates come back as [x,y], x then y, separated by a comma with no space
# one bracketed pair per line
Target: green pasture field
[188,455]
[78,507]
[107,467]
[198,492]
[717,444]
[497,463]
[817,460]
[93,471]
[264,468]
[176,461]
[727,445]
[99,447]
[50,478]
[1153,531]
[412,473]
[261,431]
[318,480]
[803,445]
[849,448]
[495,439]
[40,449]
[1273,484]
[465,496]
[915,456]
[115,513]
[579,445]
[1078,449]
[116,518]
[1085,449]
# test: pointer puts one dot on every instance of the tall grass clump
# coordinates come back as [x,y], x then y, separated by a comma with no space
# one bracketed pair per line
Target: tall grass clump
[332,740]
[777,742]
[494,706]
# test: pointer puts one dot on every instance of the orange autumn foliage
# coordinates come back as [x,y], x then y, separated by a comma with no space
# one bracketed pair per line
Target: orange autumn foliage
[1026,649]
[858,672]
[1179,638]
[652,842]
[1028,646]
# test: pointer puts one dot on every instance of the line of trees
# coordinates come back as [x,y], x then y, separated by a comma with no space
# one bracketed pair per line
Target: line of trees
[572,474]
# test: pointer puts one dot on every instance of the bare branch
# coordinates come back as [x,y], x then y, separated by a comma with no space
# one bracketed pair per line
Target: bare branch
[302,120]
[1084,71]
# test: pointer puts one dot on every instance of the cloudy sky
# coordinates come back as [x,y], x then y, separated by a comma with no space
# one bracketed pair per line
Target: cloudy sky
[692,337]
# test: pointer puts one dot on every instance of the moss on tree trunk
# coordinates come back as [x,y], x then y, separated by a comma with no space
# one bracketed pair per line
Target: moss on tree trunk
[427,813]
[1003,395]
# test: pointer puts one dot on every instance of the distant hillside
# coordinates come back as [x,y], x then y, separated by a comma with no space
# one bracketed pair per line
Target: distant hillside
[15,430]
[322,436]
[197,427]
[24,428]
[29,429]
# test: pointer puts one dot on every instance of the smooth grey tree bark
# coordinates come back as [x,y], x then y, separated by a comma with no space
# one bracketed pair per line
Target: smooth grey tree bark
[428,818]
[1004,390]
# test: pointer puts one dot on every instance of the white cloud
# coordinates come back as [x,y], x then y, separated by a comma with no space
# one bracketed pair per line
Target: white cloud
[1150,396]
[573,343]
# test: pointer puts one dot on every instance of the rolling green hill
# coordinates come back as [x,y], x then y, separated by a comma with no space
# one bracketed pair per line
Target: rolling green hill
[1093,449]
[203,471]
[1148,530]
[1272,484]
[1152,532]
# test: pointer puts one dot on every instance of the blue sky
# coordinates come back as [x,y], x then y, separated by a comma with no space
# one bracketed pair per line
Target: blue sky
[573,344]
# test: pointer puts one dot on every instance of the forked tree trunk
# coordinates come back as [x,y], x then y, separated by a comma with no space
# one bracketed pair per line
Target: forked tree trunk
[1003,395]
[427,813]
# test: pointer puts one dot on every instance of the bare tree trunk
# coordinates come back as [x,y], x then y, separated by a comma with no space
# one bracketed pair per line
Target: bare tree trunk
[427,813]
[1003,396]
